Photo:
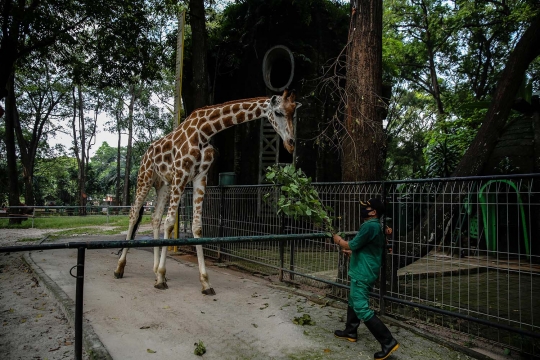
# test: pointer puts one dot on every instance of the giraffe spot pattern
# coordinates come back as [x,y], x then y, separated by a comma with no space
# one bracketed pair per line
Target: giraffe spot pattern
[207,130]
[240,118]
[167,158]
[218,126]
[228,121]
[214,115]
[166,147]
[194,139]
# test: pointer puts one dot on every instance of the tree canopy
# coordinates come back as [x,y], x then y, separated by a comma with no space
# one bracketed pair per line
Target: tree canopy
[67,66]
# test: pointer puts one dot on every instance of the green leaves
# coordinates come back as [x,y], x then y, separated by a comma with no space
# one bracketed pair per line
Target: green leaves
[298,198]
[200,349]
[303,320]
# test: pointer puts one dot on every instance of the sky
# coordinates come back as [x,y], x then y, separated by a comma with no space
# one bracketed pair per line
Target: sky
[101,137]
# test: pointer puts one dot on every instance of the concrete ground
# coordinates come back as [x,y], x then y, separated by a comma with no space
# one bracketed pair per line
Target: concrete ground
[247,319]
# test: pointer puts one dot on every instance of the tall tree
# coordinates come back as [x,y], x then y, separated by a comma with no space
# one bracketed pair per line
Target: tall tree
[364,139]
[199,53]
[134,94]
[37,26]
[432,228]
[524,53]
[83,131]
[41,93]
[13,198]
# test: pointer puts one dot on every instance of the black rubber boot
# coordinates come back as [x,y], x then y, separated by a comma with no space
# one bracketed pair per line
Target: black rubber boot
[351,326]
[383,336]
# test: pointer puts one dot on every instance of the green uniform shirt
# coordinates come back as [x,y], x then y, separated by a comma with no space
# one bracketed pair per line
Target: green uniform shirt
[367,249]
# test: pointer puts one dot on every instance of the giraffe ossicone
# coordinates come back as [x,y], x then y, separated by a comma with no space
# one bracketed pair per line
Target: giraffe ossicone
[185,155]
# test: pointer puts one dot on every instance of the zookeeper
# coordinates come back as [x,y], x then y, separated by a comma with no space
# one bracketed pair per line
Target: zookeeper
[366,250]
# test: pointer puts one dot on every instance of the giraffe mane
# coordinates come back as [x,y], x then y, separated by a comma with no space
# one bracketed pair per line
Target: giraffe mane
[229,103]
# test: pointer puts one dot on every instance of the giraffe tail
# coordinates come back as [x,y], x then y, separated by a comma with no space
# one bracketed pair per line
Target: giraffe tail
[137,223]
[135,227]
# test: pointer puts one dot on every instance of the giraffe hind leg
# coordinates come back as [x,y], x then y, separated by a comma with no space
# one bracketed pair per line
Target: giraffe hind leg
[162,190]
[135,217]
[177,189]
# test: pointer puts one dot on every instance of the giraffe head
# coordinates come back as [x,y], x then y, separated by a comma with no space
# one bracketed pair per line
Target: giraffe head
[281,114]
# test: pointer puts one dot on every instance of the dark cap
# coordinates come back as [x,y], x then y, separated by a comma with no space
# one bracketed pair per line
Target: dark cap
[375,204]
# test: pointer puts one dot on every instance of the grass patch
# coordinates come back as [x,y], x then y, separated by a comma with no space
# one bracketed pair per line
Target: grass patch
[29,239]
[76,232]
[65,222]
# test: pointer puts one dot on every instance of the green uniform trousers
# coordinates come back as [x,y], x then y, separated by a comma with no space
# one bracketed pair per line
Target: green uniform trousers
[359,299]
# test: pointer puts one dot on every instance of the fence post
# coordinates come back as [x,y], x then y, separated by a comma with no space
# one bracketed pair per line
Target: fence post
[382,282]
[281,247]
[79,303]
[221,216]
[291,262]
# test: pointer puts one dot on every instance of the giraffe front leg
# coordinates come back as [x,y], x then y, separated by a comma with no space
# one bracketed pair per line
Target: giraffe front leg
[199,188]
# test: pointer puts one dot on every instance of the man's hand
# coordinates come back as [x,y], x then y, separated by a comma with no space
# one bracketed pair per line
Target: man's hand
[388,230]
[347,252]
[338,240]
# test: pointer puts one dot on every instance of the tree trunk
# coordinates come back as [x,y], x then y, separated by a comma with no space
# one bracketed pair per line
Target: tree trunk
[82,162]
[118,158]
[126,198]
[11,150]
[27,160]
[200,67]
[199,59]
[76,139]
[364,141]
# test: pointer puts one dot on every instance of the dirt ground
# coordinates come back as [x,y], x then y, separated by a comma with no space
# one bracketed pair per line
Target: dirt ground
[33,327]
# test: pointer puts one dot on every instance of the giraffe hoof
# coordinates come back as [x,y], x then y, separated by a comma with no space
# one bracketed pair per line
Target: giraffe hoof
[209,291]
[118,275]
[161,286]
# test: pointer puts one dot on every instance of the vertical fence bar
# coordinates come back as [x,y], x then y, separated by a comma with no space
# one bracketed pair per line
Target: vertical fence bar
[382,282]
[281,248]
[221,218]
[79,303]
[291,262]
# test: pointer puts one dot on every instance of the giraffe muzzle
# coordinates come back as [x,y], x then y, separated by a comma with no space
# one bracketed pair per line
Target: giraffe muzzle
[289,145]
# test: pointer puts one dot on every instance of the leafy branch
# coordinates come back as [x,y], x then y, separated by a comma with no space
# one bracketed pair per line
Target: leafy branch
[298,198]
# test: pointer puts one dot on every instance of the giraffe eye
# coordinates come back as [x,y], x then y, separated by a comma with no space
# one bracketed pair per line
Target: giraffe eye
[278,113]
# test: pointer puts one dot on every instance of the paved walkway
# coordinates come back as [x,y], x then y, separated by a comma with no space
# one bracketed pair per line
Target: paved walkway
[247,319]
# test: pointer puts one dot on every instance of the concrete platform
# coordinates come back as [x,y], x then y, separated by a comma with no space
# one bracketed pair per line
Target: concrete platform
[438,264]
[247,319]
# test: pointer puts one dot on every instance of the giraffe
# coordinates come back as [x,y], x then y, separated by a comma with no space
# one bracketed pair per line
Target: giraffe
[185,155]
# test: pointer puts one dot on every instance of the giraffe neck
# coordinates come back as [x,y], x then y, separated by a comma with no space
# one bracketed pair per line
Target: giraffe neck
[212,119]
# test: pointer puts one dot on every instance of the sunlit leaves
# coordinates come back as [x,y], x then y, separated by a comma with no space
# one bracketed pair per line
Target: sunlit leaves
[297,198]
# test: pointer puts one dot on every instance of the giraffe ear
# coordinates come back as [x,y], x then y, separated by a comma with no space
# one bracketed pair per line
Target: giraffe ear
[274,100]
[292,95]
